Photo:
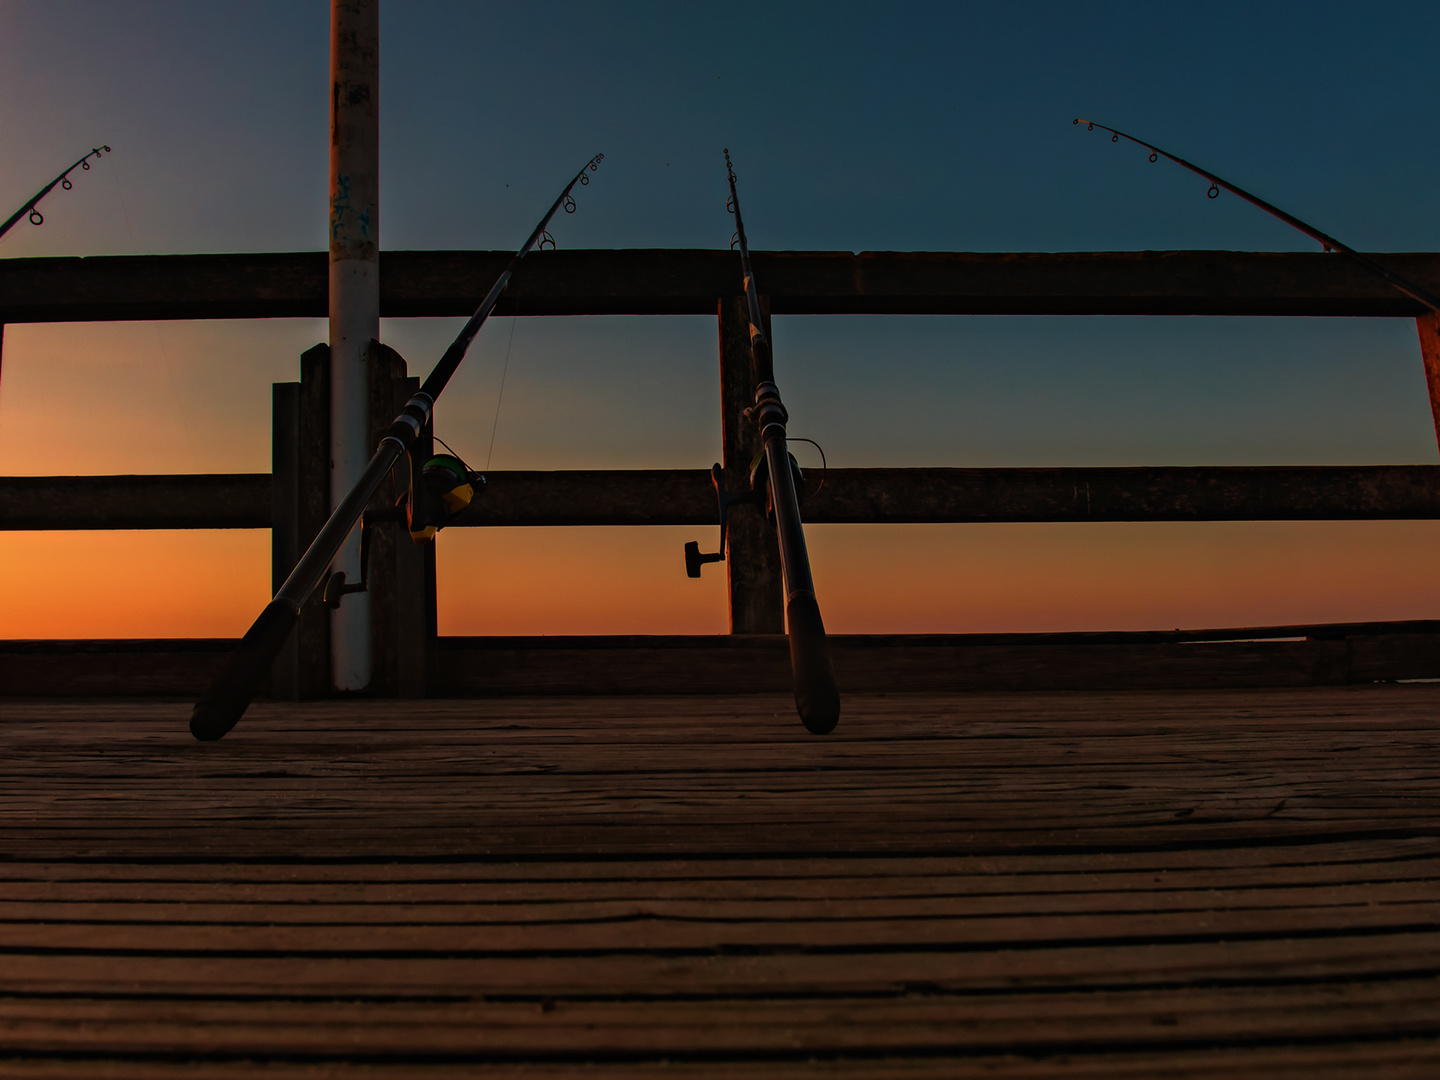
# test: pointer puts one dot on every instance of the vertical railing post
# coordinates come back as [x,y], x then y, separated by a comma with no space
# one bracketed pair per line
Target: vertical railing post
[397,566]
[299,505]
[757,598]
[414,588]
[354,294]
[313,632]
[285,522]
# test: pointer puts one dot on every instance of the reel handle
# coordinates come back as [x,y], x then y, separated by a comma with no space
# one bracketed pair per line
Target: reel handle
[694,558]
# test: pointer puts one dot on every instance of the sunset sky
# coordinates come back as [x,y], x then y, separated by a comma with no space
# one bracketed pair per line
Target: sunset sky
[854,127]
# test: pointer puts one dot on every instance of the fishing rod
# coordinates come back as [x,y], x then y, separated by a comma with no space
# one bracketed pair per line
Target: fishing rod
[775,480]
[1328,242]
[231,691]
[37,218]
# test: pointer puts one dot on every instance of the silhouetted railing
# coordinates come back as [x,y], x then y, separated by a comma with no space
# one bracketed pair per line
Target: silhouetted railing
[669,282]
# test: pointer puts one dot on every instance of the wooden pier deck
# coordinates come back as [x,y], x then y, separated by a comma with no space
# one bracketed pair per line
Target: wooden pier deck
[1187,884]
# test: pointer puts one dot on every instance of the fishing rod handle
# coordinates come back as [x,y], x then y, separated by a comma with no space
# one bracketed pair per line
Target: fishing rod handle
[817,698]
[328,541]
[794,557]
[230,692]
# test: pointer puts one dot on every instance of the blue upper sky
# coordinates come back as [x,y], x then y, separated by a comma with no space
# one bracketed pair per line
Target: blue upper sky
[855,126]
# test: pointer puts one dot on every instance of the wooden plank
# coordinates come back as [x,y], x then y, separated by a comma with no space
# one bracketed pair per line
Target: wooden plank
[485,667]
[1334,654]
[1194,493]
[430,891]
[1405,1059]
[213,501]
[312,633]
[397,567]
[1327,862]
[1183,884]
[657,282]
[702,927]
[687,497]
[779,973]
[415,584]
[934,1022]
[920,775]
[1126,494]
[285,550]
[721,901]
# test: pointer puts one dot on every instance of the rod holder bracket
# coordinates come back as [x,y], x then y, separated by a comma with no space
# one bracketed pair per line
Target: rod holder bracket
[336,588]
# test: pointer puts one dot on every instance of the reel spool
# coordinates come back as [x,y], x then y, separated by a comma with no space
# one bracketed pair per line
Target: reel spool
[444,487]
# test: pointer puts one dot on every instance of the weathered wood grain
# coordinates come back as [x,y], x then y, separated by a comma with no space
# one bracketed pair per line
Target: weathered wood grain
[838,496]
[972,773]
[1330,654]
[1238,883]
[604,1028]
[688,282]
[214,501]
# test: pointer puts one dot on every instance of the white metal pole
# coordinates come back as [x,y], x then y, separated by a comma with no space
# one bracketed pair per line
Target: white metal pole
[354,296]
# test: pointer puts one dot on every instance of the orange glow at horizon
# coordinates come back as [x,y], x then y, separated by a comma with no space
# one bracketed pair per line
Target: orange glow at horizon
[132,584]
[871,579]
[194,397]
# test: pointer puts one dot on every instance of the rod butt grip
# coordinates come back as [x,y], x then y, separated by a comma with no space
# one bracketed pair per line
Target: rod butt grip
[817,698]
[231,691]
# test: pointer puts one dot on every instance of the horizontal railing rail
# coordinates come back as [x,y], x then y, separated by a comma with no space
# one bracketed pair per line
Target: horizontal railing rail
[838,496]
[1300,655]
[689,281]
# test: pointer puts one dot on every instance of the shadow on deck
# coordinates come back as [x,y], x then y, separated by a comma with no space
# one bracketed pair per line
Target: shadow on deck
[1187,884]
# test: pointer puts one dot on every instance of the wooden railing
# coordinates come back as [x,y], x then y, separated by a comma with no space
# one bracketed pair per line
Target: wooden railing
[668,282]
[847,496]
[688,282]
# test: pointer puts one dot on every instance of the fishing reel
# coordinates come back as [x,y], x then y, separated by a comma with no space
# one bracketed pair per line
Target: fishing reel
[440,489]
[758,495]
[443,486]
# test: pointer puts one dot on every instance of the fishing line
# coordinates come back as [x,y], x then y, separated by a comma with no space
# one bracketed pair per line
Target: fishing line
[447,446]
[824,465]
[514,320]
